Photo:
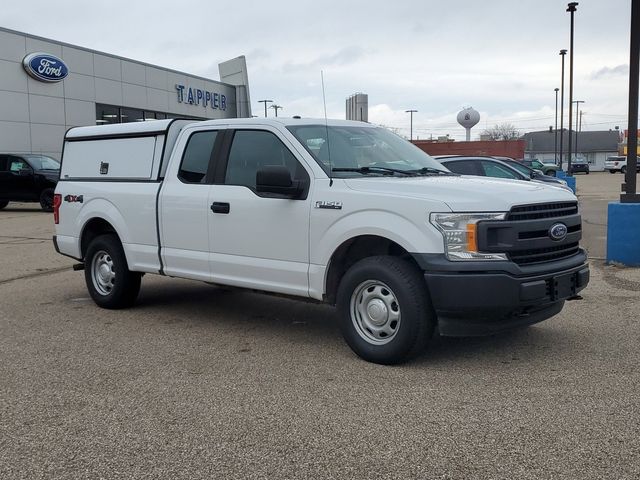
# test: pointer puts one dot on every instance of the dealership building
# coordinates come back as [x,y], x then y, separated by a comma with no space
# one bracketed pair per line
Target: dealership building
[47,87]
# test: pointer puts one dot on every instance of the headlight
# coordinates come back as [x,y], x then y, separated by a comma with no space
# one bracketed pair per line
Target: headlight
[460,234]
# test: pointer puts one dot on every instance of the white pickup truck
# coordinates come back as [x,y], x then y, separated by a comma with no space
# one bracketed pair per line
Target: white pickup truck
[339,212]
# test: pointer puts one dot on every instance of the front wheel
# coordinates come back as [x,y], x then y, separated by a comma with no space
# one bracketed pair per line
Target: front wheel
[110,282]
[3,204]
[46,199]
[612,171]
[623,170]
[551,173]
[386,315]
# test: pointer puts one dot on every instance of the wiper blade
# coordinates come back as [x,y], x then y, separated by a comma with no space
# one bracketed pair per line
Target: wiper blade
[428,170]
[374,170]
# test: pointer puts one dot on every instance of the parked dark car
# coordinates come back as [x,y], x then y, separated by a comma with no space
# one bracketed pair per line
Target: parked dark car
[491,167]
[28,178]
[578,165]
[535,174]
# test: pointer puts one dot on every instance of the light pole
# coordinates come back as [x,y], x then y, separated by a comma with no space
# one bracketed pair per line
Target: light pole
[555,151]
[571,8]
[577,102]
[265,105]
[562,54]
[276,108]
[411,112]
[629,185]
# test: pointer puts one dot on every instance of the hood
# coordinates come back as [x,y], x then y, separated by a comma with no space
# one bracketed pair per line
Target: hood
[464,193]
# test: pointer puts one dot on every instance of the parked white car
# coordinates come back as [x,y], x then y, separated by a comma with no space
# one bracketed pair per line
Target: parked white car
[618,164]
[339,212]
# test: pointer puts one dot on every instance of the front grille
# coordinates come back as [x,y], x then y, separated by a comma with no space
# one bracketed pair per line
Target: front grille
[542,210]
[538,255]
[524,235]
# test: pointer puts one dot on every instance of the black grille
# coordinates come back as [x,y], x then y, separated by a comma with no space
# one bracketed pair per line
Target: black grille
[537,255]
[542,210]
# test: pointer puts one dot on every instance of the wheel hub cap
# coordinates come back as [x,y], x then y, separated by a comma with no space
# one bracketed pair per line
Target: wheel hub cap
[102,272]
[375,312]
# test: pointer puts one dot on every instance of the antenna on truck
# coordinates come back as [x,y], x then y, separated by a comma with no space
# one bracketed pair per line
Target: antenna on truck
[326,126]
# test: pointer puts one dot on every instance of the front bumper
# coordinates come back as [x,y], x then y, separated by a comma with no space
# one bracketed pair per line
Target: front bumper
[481,298]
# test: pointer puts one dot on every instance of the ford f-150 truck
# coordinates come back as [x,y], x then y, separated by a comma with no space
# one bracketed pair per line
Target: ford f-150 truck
[333,211]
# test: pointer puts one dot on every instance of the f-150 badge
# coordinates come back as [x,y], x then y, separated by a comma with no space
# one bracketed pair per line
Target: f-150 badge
[329,205]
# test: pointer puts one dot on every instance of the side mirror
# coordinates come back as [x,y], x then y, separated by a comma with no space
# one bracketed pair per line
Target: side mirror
[277,179]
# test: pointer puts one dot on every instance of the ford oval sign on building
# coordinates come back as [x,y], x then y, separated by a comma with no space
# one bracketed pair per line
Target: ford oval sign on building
[45,67]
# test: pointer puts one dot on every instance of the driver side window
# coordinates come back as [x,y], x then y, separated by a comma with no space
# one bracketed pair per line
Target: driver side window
[253,149]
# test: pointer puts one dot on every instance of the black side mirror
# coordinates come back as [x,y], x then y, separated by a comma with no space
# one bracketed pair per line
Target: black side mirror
[277,179]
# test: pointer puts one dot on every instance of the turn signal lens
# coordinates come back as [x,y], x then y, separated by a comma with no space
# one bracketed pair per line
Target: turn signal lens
[472,242]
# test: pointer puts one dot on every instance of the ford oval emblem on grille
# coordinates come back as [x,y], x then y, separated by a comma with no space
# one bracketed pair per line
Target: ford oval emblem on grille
[558,231]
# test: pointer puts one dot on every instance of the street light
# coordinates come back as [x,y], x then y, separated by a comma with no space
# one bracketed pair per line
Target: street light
[555,151]
[563,52]
[411,112]
[276,108]
[577,102]
[265,105]
[571,8]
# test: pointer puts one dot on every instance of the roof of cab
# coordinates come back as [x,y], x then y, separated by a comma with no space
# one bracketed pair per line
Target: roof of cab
[159,126]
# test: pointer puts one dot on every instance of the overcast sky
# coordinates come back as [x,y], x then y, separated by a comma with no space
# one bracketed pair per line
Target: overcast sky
[501,57]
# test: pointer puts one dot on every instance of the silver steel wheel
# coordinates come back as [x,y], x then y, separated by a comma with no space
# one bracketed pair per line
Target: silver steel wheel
[375,312]
[102,272]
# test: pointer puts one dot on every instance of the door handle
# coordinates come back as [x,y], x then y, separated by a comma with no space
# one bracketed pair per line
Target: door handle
[220,207]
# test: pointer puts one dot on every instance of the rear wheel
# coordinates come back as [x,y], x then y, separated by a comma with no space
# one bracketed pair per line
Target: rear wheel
[612,171]
[46,200]
[386,315]
[3,204]
[623,170]
[110,282]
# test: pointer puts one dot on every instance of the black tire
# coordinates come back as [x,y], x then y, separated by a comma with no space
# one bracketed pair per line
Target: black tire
[623,170]
[46,200]
[551,173]
[587,172]
[387,281]
[116,287]
[3,203]
[612,171]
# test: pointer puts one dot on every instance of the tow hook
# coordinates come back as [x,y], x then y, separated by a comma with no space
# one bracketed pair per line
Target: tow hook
[78,266]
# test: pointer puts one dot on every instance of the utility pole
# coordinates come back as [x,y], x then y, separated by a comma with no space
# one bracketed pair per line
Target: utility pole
[562,54]
[555,151]
[411,112]
[571,8]
[577,102]
[276,108]
[265,105]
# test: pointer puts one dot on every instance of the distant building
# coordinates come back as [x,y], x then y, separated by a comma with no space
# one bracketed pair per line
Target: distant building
[357,107]
[593,146]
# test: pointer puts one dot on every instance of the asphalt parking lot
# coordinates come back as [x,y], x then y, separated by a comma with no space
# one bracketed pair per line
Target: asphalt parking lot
[199,382]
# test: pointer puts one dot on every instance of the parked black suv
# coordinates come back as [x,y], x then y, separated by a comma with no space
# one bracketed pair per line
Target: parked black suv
[28,178]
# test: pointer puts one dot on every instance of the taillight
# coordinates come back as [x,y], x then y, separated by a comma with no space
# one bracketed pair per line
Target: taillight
[57,200]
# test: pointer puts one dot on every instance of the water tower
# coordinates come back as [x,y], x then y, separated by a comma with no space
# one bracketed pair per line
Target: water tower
[468,118]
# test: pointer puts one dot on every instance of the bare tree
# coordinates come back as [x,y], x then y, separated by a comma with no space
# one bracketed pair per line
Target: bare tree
[504,131]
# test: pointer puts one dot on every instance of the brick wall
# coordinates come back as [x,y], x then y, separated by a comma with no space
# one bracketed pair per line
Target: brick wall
[503,148]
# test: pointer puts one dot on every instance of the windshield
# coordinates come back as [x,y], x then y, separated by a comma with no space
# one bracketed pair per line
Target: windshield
[42,162]
[526,171]
[355,151]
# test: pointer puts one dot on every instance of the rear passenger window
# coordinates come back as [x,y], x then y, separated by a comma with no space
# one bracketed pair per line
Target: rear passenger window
[463,167]
[196,158]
